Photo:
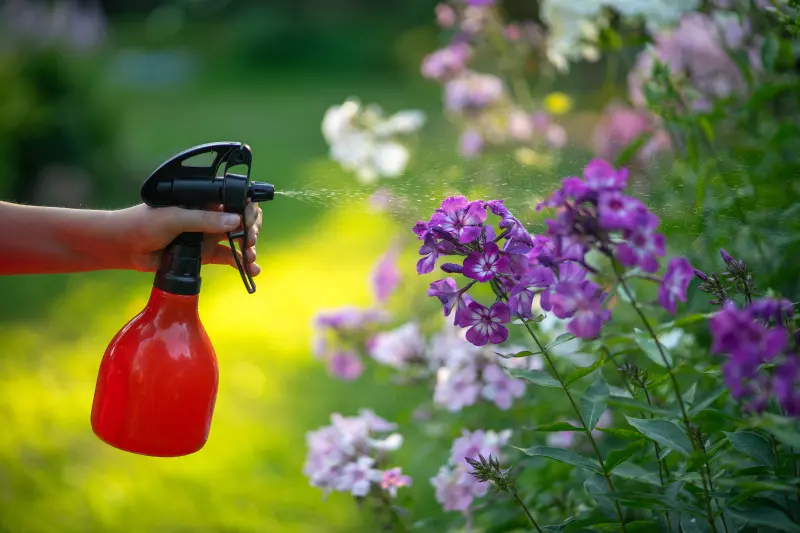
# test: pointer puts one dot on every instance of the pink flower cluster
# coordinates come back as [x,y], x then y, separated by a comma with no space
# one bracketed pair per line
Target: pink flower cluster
[466,373]
[455,486]
[347,455]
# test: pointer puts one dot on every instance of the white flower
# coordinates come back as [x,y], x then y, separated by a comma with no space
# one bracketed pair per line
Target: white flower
[401,122]
[573,26]
[338,120]
[366,143]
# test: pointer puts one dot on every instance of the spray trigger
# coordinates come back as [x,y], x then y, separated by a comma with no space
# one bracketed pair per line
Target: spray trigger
[244,269]
[178,182]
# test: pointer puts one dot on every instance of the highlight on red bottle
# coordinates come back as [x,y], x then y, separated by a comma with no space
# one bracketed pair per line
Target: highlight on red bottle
[158,381]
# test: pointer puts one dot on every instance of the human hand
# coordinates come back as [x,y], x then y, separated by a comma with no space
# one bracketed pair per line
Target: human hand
[144,232]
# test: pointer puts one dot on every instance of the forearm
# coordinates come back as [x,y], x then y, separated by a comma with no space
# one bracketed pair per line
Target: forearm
[51,240]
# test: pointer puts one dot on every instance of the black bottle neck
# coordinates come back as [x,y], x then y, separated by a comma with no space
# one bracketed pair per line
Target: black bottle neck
[179,272]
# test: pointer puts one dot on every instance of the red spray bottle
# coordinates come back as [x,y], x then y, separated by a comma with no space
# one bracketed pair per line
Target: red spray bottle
[157,383]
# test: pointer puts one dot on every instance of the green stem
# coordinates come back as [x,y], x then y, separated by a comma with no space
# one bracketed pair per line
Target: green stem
[662,469]
[676,388]
[586,430]
[395,518]
[527,512]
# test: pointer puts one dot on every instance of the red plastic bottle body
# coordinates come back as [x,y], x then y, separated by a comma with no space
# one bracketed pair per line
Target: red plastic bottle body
[158,381]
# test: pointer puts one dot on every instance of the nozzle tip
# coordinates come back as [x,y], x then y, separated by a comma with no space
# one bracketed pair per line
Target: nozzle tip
[261,192]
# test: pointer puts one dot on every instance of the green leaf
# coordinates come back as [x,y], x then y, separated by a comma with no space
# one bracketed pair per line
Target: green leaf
[583,371]
[538,377]
[629,152]
[667,433]
[707,129]
[597,487]
[762,515]
[753,445]
[708,400]
[524,353]
[621,401]
[617,457]
[555,426]
[688,319]
[637,473]
[654,502]
[562,455]
[623,433]
[649,347]
[593,402]
[785,429]
[561,339]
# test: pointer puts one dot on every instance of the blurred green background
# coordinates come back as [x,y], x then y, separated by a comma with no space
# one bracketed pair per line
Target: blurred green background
[93,96]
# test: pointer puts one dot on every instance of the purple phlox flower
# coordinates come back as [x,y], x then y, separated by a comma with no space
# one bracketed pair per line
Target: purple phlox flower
[473,443]
[486,264]
[588,314]
[600,175]
[340,456]
[421,229]
[460,218]
[447,292]
[772,309]
[675,283]
[521,297]
[786,385]
[616,211]
[486,324]
[447,62]
[386,276]
[642,248]
[738,373]
[431,249]
[463,314]
[456,488]
[501,388]
[456,388]
[345,365]
[392,479]
[572,188]
[399,347]
[737,333]
[358,476]
[569,273]
[480,2]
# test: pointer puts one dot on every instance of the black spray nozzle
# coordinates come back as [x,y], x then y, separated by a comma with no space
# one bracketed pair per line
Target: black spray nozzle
[261,192]
[178,182]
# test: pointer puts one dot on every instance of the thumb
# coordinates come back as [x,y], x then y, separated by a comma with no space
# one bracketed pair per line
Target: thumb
[182,220]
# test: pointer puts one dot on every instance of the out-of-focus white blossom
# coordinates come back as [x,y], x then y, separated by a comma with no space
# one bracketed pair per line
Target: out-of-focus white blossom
[365,142]
[574,26]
